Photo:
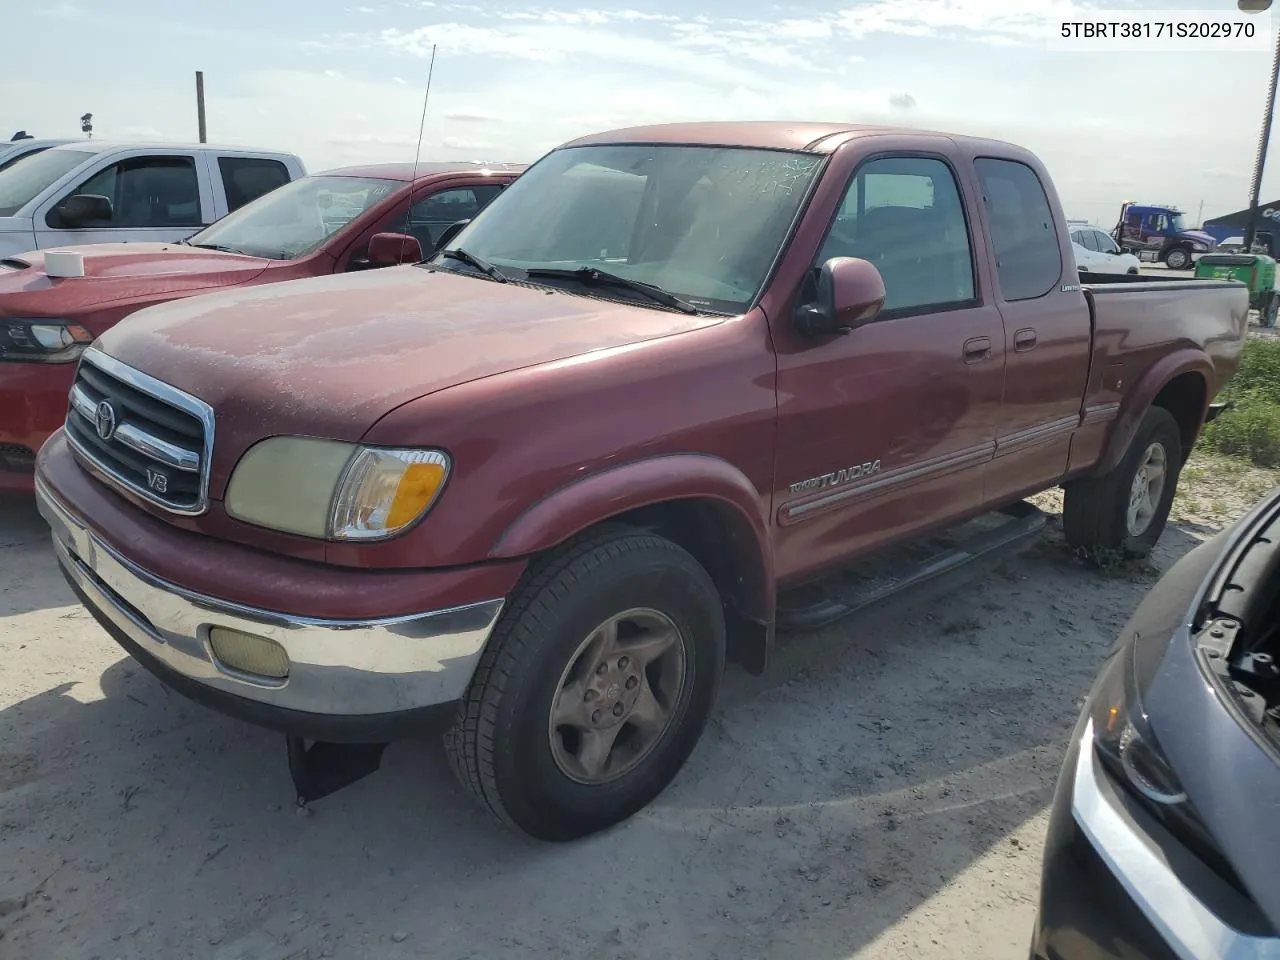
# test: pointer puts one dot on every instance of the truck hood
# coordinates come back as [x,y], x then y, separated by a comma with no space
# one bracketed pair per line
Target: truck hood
[329,356]
[118,271]
[1198,235]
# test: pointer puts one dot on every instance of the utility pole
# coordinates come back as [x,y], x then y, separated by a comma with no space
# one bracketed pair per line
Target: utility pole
[1250,6]
[1200,216]
[200,104]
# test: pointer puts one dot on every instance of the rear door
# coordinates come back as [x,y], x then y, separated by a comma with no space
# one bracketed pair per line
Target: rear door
[156,195]
[1047,333]
[241,178]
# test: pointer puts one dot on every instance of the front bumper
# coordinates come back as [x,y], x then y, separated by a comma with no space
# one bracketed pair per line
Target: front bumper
[1117,886]
[33,403]
[347,679]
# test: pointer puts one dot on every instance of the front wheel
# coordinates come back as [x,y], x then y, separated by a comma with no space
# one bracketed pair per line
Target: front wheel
[594,687]
[1123,512]
[1178,258]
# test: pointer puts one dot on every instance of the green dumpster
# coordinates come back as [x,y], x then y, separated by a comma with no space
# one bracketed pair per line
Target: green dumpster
[1257,271]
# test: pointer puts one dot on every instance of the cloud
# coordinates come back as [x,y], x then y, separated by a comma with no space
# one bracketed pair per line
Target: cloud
[999,22]
[143,133]
[62,11]
[470,116]
[464,144]
[901,101]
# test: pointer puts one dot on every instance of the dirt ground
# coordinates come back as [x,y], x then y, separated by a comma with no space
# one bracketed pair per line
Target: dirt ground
[881,793]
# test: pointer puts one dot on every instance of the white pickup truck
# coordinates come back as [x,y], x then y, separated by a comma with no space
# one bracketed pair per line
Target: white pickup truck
[100,192]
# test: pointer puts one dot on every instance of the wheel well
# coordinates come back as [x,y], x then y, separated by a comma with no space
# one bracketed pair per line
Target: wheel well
[723,541]
[1185,396]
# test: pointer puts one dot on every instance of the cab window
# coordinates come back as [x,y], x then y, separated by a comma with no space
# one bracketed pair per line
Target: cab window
[1023,236]
[159,191]
[905,216]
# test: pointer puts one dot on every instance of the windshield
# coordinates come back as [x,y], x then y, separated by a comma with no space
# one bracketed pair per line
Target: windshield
[296,218]
[703,223]
[22,182]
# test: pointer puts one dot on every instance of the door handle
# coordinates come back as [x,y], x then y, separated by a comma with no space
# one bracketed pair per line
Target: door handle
[1024,339]
[977,348]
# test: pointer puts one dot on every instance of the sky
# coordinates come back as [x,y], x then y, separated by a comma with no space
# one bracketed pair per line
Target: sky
[341,82]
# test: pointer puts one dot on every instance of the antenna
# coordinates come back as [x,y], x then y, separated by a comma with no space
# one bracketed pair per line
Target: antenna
[417,153]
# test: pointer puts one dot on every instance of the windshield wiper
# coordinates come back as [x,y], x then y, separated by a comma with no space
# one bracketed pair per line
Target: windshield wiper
[212,246]
[593,277]
[471,260]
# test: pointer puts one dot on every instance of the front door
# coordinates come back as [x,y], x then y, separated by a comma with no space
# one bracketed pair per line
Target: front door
[1047,330]
[156,197]
[887,430]
[435,208]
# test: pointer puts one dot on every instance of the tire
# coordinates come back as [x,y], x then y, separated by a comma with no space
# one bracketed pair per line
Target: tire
[504,745]
[1096,510]
[1179,258]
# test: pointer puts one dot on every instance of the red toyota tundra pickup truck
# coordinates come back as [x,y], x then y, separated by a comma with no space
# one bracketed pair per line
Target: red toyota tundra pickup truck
[552,479]
[349,219]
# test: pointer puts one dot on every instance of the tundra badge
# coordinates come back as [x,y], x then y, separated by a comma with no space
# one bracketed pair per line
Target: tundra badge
[837,478]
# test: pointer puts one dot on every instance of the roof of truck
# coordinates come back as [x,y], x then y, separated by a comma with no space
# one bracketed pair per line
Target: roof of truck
[763,134]
[409,171]
[101,146]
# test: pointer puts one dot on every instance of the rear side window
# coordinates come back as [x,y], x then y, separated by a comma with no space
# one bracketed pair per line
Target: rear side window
[905,215]
[248,178]
[432,215]
[145,192]
[1025,242]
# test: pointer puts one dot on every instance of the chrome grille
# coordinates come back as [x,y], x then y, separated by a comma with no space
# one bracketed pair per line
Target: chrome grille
[141,433]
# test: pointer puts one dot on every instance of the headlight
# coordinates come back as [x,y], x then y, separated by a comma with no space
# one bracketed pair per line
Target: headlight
[334,490]
[1199,246]
[1123,735]
[42,341]
[1130,752]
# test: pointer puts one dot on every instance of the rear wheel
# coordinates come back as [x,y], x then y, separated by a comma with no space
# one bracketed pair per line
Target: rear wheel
[594,688]
[1179,258]
[1123,513]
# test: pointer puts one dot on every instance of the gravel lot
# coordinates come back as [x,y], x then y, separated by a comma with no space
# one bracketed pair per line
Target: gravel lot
[880,794]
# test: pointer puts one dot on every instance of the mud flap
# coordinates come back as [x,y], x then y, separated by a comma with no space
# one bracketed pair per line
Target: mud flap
[324,768]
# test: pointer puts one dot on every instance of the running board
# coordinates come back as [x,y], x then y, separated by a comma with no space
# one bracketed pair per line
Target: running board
[839,594]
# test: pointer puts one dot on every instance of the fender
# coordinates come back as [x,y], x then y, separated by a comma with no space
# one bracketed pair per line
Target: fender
[1138,400]
[575,506]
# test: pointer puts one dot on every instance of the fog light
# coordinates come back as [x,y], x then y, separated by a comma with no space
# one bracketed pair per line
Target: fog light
[246,653]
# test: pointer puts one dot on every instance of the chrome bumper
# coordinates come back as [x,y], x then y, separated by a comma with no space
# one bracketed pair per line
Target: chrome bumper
[338,668]
[1190,928]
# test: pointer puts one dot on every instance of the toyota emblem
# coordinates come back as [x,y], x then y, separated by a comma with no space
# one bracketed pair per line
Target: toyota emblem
[104,420]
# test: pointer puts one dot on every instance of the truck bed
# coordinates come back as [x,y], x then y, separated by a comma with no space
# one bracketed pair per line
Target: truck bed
[1139,321]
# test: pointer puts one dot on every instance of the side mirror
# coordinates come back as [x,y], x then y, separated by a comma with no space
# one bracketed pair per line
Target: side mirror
[389,249]
[451,231]
[848,293]
[80,209]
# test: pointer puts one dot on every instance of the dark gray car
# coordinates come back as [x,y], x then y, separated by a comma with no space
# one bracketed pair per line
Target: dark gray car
[1164,840]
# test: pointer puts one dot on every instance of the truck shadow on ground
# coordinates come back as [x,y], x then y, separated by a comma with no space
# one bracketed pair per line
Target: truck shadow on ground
[29,578]
[878,761]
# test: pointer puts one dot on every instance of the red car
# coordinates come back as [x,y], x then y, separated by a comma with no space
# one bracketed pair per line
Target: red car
[349,219]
